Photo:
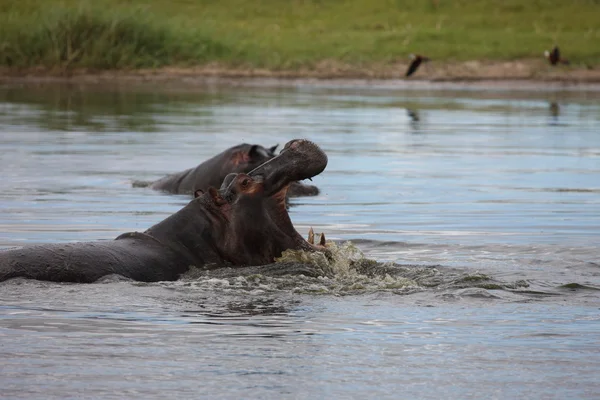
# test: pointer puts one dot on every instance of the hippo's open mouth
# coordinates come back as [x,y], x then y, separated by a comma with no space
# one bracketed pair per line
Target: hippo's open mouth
[257,199]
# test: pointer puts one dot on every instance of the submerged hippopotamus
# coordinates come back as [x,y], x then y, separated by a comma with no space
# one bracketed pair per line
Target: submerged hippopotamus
[244,223]
[240,158]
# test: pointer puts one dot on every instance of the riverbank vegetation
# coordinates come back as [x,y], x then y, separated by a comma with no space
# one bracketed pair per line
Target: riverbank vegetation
[291,34]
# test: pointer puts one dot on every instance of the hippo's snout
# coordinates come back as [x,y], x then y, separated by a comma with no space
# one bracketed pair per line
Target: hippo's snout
[299,159]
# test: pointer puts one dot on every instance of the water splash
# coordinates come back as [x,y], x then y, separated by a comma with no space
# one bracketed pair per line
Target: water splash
[342,269]
[338,261]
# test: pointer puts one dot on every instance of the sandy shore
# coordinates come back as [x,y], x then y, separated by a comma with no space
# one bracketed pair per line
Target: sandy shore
[535,72]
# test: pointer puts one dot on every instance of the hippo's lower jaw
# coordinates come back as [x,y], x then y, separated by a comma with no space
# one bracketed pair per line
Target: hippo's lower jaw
[297,189]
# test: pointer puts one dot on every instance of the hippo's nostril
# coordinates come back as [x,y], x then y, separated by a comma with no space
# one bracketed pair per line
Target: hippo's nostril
[293,144]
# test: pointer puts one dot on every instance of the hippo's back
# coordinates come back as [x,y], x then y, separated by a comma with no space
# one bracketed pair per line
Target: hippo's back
[86,262]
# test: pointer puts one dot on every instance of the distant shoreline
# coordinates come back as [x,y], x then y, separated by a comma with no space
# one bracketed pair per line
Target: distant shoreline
[537,71]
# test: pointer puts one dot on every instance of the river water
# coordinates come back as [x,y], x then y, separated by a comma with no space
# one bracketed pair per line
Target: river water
[486,198]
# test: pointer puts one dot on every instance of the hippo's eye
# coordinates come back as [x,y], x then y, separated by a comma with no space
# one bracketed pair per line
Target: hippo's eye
[245,182]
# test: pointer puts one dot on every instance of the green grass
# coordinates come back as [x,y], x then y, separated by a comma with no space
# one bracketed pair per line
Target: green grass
[290,34]
[94,37]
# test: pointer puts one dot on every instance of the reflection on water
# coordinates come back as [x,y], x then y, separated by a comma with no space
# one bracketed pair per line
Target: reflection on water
[414,120]
[487,199]
[554,111]
[73,107]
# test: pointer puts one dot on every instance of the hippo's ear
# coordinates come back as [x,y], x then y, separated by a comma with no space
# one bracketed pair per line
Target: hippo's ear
[272,149]
[198,193]
[258,151]
[216,196]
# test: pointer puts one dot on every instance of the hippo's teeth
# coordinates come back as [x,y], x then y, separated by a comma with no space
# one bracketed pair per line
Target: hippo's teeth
[322,240]
[311,236]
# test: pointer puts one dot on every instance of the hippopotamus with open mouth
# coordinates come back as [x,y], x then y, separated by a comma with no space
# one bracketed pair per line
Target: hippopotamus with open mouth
[240,158]
[244,223]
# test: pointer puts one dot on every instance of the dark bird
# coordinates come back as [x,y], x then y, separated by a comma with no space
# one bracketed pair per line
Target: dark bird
[416,61]
[553,56]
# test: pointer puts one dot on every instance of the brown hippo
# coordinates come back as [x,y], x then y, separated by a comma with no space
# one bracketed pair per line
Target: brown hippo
[240,158]
[243,223]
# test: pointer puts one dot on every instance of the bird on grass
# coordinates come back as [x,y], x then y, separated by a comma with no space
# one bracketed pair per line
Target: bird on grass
[554,58]
[416,61]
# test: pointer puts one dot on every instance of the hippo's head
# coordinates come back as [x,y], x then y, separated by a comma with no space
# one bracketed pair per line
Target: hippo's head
[299,159]
[260,228]
[246,157]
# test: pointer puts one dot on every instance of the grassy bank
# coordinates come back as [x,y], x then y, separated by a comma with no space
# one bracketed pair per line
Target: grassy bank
[291,34]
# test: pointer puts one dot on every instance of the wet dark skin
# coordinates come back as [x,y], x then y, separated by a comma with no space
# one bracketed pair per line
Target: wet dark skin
[240,158]
[243,223]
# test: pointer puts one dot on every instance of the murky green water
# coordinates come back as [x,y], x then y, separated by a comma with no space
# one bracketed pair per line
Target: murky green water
[489,199]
